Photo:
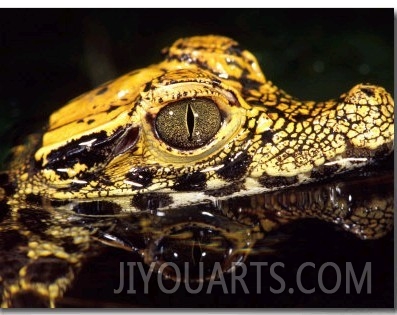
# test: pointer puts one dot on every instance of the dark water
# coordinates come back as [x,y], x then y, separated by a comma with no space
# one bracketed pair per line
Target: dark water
[51,56]
[307,254]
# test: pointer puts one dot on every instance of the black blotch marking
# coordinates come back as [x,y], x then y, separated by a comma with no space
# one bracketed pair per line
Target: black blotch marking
[382,151]
[142,176]
[69,246]
[151,201]
[235,167]
[69,188]
[216,82]
[378,153]
[324,171]
[368,91]
[277,181]
[179,46]
[225,191]
[102,91]
[147,86]
[102,149]
[11,239]
[248,84]
[267,136]
[75,186]
[36,220]
[47,270]
[30,299]
[63,176]
[103,179]
[34,199]
[73,152]
[300,117]
[80,121]
[191,182]
[90,121]
[97,208]
[111,108]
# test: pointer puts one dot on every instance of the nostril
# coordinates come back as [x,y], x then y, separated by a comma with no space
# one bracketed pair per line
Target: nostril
[368,91]
[365,94]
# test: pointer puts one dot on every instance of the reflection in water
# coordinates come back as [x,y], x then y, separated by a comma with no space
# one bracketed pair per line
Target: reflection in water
[197,237]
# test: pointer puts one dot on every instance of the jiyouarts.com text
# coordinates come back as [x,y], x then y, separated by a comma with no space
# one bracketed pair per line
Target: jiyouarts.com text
[345,278]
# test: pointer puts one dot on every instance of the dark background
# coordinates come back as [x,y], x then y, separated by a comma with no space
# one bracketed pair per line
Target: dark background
[49,56]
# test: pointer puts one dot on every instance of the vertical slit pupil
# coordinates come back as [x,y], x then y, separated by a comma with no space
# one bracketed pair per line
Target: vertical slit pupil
[190,121]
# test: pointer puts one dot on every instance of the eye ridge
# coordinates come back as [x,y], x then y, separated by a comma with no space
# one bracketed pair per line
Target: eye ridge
[189,123]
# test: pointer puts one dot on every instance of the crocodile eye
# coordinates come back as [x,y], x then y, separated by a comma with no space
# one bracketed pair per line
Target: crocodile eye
[188,124]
